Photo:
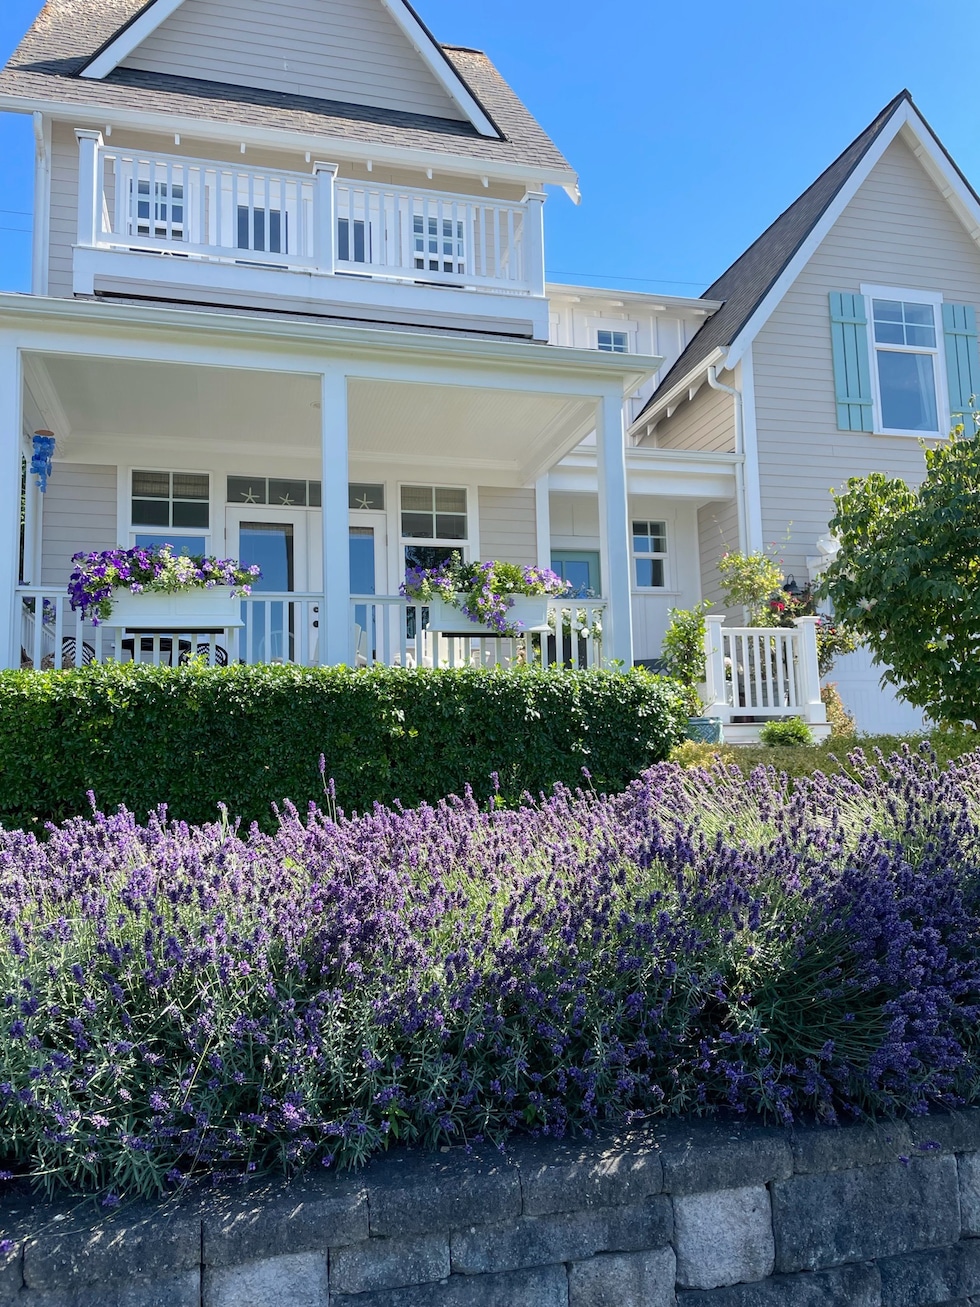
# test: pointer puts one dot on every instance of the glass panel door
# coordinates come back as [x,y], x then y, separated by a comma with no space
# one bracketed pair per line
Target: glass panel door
[276,541]
[580,567]
[368,559]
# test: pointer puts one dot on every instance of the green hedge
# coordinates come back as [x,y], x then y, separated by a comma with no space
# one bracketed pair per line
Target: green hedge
[250,737]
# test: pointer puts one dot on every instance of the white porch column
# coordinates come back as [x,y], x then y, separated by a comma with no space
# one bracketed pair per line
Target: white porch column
[335,616]
[11,421]
[716,698]
[89,186]
[325,219]
[542,519]
[614,530]
[808,665]
[534,273]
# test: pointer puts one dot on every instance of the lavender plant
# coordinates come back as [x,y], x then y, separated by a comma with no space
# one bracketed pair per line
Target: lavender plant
[181,1000]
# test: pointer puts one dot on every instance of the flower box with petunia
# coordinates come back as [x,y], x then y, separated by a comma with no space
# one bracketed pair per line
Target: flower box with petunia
[156,589]
[492,598]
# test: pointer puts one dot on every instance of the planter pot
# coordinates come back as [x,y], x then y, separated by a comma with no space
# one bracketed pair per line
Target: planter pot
[706,730]
[529,613]
[182,613]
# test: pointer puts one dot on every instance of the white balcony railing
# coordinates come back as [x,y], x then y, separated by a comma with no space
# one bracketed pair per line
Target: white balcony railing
[286,628]
[206,210]
[763,672]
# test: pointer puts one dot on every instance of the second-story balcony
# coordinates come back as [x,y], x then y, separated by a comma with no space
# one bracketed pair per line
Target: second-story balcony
[206,231]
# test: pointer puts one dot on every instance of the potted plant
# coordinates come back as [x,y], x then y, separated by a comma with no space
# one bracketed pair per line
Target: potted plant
[158,590]
[683,658]
[492,598]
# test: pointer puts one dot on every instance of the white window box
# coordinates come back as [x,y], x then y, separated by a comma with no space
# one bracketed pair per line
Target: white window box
[528,613]
[197,611]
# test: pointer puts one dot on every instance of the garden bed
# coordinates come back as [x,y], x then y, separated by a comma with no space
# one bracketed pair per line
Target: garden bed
[182,1000]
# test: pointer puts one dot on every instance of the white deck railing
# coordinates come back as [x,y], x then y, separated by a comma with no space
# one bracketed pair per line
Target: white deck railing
[763,672]
[200,208]
[286,628]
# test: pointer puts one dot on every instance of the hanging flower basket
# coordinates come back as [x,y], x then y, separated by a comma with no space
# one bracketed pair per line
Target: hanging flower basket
[156,590]
[499,599]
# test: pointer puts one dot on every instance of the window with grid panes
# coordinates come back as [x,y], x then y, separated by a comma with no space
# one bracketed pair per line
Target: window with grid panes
[613,342]
[172,499]
[439,244]
[650,555]
[907,355]
[436,518]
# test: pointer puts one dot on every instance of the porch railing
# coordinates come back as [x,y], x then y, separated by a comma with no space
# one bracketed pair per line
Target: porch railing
[287,628]
[763,672]
[200,208]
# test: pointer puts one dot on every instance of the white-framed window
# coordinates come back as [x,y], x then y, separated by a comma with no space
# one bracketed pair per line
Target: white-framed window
[433,523]
[649,554]
[440,244]
[612,342]
[907,374]
[157,208]
[171,500]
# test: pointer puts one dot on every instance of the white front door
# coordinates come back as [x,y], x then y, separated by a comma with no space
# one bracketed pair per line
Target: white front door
[282,542]
[368,576]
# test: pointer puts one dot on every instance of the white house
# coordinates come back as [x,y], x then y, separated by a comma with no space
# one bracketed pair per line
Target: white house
[289,305]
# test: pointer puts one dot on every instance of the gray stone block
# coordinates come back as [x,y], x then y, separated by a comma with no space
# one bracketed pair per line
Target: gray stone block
[723,1238]
[133,1243]
[296,1280]
[182,1290]
[425,1194]
[838,1148]
[305,1216]
[868,1212]
[389,1263]
[949,1132]
[567,1237]
[624,1280]
[566,1178]
[938,1276]
[11,1271]
[844,1286]
[968,1169]
[701,1156]
[544,1286]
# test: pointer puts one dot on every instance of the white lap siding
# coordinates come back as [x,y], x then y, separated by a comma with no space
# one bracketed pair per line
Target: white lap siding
[705,422]
[508,529]
[79,515]
[717,535]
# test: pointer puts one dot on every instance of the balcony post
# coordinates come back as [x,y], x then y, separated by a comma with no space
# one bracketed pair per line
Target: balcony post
[534,273]
[614,536]
[716,698]
[335,641]
[808,670]
[325,219]
[89,187]
[11,410]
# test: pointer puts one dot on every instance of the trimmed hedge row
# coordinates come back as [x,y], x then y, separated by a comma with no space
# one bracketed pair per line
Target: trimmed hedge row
[250,737]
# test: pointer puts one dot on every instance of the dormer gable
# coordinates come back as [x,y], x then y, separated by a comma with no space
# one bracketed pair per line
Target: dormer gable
[367,52]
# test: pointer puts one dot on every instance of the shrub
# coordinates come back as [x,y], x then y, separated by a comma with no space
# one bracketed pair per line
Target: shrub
[841,721]
[250,737]
[791,732]
[683,652]
[179,1000]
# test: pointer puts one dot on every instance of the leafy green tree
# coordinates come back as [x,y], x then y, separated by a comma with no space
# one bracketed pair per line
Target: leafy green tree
[683,652]
[907,577]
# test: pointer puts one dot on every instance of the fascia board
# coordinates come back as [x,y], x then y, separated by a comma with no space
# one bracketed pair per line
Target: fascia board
[408,22]
[693,304]
[933,158]
[817,235]
[605,370]
[679,388]
[276,138]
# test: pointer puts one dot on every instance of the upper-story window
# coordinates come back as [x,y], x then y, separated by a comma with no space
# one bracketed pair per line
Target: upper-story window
[159,209]
[613,342]
[906,357]
[439,245]
[650,555]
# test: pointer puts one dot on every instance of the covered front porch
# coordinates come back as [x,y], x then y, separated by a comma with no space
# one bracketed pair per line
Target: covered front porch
[330,456]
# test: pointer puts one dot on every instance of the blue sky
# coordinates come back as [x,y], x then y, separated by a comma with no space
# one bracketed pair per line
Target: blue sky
[692,125]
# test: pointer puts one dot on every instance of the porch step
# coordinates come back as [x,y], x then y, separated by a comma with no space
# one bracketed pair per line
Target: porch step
[748,732]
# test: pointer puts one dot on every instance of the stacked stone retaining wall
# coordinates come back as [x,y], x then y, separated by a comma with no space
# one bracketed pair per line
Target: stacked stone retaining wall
[681,1215]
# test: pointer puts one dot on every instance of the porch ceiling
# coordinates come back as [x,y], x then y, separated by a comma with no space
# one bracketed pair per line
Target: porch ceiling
[511,436]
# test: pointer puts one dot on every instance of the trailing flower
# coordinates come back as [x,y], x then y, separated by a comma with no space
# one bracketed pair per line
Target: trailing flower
[142,571]
[482,592]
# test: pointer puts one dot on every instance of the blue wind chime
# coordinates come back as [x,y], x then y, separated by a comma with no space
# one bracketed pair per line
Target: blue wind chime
[44,443]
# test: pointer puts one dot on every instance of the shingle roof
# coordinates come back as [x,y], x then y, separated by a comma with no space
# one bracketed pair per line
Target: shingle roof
[750,278]
[68,33]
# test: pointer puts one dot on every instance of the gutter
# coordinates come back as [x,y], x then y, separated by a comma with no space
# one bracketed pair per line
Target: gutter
[743,508]
[40,237]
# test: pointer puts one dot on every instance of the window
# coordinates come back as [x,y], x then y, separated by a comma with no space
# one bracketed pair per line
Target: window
[252,225]
[650,555]
[353,241]
[580,569]
[437,516]
[906,353]
[439,245]
[367,498]
[172,499]
[277,491]
[159,209]
[613,342]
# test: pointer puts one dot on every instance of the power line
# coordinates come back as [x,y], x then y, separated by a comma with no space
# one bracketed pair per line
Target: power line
[23,231]
[614,276]
[19,213]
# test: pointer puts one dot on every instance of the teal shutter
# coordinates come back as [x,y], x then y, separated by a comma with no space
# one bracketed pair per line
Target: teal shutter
[852,366]
[962,361]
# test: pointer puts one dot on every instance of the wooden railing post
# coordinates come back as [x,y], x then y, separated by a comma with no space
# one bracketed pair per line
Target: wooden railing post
[716,697]
[808,665]
[89,187]
[325,219]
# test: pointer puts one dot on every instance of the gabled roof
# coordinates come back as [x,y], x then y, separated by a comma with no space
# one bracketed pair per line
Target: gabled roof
[745,287]
[46,72]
